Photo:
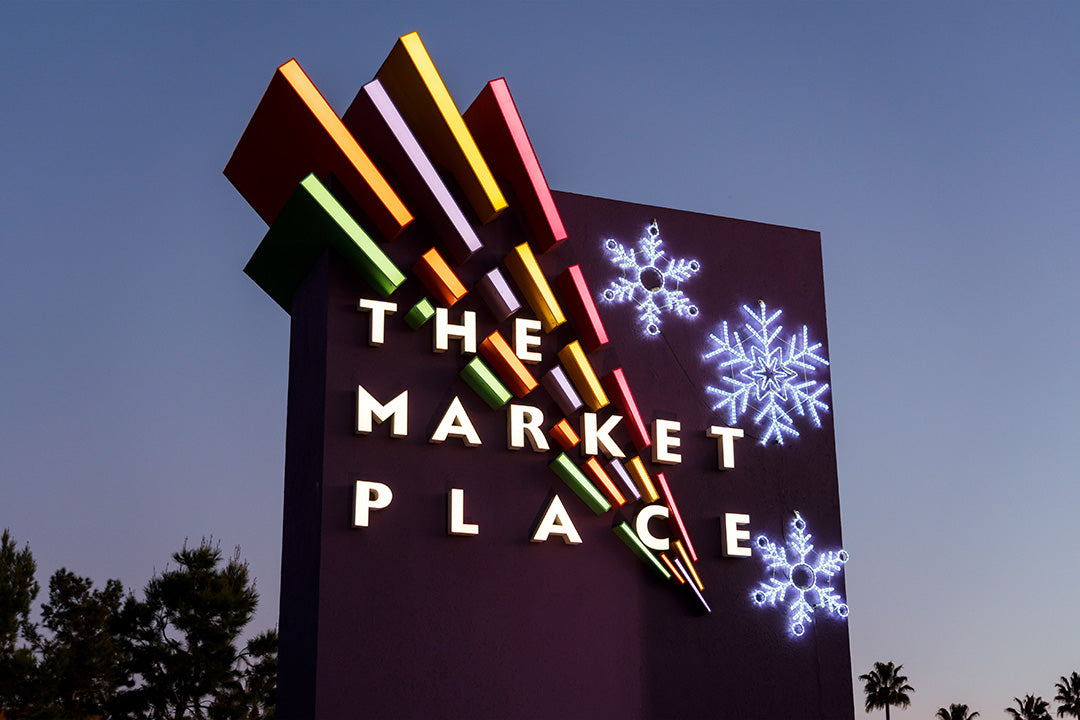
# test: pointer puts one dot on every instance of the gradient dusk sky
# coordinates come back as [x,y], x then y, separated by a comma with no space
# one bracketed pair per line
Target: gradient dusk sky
[935,146]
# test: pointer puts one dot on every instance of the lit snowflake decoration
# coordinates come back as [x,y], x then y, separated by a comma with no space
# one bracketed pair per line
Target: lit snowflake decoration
[768,374]
[650,280]
[798,582]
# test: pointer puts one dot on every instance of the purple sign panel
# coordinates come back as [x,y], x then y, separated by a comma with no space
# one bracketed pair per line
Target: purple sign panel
[576,460]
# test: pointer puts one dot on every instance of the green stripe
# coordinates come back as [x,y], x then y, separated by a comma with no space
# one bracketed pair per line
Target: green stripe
[633,542]
[419,314]
[311,221]
[367,258]
[565,468]
[481,379]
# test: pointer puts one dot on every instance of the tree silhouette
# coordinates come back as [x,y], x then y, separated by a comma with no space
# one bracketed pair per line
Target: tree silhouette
[171,655]
[17,592]
[80,665]
[956,711]
[183,637]
[1031,707]
[1068,696]
[885,686]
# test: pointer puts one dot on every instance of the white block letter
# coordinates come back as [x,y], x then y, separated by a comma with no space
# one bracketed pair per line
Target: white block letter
[525,337]
[368,409]
[665,443]
[379,310]
[732,535]
[456,423]
[523,421]
[369,496]
[725,448]
[455,515]
[596,438]
[556,521]
[641,525]
[466,331]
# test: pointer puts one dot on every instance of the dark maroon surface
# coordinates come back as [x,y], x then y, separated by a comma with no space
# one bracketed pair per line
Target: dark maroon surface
[400,620]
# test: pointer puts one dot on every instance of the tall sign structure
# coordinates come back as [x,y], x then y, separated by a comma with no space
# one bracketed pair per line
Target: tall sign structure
[548,455]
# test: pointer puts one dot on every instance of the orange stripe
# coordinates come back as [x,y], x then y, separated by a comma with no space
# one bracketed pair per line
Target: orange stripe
[689,565]
[438,278]
[512,371]
[563,434]
[671,566]
[598,476]
[326,116]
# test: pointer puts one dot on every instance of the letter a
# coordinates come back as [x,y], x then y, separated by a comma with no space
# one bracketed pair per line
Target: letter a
[556,521]
[456,423]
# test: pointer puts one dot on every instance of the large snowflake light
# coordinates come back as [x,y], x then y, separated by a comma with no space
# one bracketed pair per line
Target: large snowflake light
[768,374]
[797,581]
[650,280]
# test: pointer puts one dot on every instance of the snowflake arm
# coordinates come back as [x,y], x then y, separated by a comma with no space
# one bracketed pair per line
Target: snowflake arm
[680,270]
[651,243]
[620,290]
[678,303]
[769,592]
[649,318]
[619,255]
[799,353]
[832,602]
[829,563]
[801,542]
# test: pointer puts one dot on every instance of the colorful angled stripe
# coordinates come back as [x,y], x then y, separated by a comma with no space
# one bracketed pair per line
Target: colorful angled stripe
[494,121]
[577,366]
[294,133]
[479,377]
[534,286]
[633,542]
[637,471]
[438,278]
[374,120]
[578,300]
[615,383]
[412,82]
[565,468]
[669,500]
[601,479]
[311,221]
[506,364]
[563,434]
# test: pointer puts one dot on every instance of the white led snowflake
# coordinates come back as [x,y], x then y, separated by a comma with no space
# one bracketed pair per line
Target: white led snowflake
[650,280]
[797,581]
[769,374]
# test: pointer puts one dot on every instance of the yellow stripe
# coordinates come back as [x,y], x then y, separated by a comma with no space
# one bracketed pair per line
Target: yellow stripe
[577,366]
[410,79]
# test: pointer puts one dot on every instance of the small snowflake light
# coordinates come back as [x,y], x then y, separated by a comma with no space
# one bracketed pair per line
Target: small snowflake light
[799,581]
[769,375]
[650,280]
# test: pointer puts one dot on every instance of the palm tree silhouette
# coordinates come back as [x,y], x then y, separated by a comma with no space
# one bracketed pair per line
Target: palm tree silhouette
[1068,696]
[956,711]
[1030,708]
[885,686]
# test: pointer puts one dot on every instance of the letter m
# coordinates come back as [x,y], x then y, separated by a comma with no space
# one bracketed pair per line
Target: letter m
[369,409]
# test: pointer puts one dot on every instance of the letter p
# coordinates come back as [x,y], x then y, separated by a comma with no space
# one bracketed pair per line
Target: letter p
[369,496]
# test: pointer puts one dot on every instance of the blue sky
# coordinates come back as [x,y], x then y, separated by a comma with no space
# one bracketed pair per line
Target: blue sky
[934,146]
